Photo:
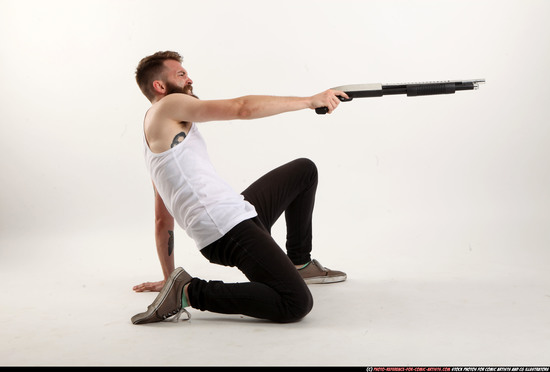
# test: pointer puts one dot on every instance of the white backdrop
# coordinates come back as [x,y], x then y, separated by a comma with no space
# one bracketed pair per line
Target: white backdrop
[424,182]
[472,168]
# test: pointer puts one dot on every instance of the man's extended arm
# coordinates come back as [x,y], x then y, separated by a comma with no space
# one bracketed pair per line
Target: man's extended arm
[182,107]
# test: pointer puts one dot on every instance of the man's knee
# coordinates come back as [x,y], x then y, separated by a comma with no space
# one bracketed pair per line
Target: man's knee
[305,306]
[307,164]
[300,306]
[307,167]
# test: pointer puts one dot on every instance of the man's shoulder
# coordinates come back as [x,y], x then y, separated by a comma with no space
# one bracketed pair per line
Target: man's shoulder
[174,106]
[174,98]
[165,106]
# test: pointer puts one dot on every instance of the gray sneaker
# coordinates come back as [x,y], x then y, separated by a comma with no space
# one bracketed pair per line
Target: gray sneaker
[168,302]
[315,273]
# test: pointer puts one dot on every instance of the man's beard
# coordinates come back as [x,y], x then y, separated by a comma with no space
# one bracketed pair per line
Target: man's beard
[172,88]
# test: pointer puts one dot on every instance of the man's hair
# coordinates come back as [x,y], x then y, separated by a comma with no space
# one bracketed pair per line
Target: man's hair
[151,68]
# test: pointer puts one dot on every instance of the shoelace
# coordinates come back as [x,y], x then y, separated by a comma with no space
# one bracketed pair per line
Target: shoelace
[176,318]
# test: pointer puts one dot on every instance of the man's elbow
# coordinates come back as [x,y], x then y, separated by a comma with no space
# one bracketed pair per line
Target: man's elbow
[164,223]
[244,110]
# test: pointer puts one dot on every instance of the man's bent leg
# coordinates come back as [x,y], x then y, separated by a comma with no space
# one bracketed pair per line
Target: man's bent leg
[289,188]
[275,292]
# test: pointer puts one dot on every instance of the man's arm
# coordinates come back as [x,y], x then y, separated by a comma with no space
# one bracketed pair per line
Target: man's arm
[182,107]
[164,238]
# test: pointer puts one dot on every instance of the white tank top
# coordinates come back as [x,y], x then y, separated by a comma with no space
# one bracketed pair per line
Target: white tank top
[202,204]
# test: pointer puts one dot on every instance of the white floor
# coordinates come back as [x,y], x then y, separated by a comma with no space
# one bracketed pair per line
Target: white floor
[70,303]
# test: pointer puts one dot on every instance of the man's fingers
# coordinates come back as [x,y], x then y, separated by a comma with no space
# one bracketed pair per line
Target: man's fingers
[139,288]
[334,101]
[329,99]
[149,286]
[143,287]
[342,94]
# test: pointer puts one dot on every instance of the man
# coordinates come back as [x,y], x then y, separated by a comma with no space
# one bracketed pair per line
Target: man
[230,229]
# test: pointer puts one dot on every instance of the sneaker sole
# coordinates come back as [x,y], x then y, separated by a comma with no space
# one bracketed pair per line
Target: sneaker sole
[143,317]
[325,279]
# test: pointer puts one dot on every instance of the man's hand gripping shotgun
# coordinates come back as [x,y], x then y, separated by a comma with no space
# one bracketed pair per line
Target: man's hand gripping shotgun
[410,89]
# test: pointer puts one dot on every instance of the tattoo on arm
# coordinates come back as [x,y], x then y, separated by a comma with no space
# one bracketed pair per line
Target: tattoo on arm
[170,242]
[178,139]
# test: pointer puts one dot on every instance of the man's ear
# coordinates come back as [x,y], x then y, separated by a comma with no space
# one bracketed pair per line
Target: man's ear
[159,87]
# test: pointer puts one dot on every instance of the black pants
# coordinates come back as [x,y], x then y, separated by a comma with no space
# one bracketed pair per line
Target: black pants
[276,290]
